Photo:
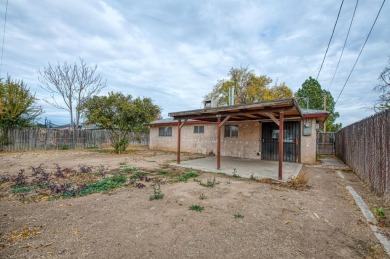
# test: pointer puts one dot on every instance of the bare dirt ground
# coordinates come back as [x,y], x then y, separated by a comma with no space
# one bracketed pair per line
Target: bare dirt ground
[276,222]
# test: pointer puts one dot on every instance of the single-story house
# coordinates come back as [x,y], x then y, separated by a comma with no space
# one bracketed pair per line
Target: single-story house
[245,131]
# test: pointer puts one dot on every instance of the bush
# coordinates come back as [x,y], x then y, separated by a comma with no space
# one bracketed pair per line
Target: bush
[186,176]
[197,208]
[157,193]
[121,145]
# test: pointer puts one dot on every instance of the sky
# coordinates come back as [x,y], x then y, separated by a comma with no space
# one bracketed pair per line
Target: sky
[175,51]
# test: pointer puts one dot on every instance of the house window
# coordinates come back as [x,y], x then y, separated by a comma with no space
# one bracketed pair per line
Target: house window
[231,131]
[165,131]
[199,129]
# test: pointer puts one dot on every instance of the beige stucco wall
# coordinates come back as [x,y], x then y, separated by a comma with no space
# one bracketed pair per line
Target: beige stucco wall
[247,145]
[309,143]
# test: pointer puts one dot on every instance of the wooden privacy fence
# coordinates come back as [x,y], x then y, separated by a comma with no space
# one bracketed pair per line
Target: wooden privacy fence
[365,147]
[24,139]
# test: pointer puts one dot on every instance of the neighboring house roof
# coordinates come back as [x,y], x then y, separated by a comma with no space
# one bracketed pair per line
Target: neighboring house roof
[83,126]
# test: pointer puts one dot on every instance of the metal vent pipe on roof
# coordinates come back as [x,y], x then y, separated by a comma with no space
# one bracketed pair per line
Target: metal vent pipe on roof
[231,95]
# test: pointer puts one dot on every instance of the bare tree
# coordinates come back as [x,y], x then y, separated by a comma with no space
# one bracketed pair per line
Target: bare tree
[383,88]
[71,83]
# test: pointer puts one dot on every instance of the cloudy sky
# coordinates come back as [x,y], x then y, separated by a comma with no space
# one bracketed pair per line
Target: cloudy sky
[175,51]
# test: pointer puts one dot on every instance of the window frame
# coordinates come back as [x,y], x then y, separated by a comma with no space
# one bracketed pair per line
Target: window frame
[197,129]
[165,131]
[229,131]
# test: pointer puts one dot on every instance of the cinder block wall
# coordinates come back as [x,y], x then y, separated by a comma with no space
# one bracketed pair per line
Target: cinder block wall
[246,145]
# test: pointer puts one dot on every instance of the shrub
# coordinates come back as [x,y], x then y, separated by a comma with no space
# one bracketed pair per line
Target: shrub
[129,170]
[102,170]
[138,175]
[186,176]
[379,212]
[209,182]
[64,147]
[59,173]
[68,190]
[4,179]
[105,184]
[235,174]
[20,189]
[157,193]
[121,145]
[238,216]
[41,176]
[21,179]
[197,208]
[85,169]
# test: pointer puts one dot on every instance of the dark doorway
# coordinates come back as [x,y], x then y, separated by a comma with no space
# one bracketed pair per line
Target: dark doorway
[291,141]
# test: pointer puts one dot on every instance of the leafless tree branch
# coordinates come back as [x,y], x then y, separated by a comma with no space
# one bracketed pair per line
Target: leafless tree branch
[72,83]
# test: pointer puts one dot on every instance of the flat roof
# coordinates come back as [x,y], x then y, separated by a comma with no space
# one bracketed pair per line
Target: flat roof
[253,111]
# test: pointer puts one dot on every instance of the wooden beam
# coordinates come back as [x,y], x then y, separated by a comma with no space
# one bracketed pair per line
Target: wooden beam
[281,122]
[218,143]
[273,118]
[179,125]
[224,121]
[200,116]
[251,116]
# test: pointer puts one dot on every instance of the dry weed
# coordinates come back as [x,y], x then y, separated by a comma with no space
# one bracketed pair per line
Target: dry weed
[25,233]
[298,182]
[266,180]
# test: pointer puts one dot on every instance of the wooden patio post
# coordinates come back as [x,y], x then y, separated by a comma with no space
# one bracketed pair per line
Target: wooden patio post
[218,143]
[178,140]
[281,126]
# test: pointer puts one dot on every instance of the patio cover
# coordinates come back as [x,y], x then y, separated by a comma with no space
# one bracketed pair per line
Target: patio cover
[277,111]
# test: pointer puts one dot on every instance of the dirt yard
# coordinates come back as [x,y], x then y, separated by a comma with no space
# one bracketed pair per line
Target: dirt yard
[240,218]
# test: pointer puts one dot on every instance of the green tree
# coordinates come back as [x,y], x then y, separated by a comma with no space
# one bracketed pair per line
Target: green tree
[383,88]
[248,88]
[121,115]
[17,105]
[312,93]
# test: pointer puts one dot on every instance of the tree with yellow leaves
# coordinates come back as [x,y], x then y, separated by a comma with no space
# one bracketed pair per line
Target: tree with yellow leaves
[17,104]
[248,88]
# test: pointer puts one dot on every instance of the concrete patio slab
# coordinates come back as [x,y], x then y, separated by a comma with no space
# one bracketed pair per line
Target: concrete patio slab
[334,163]
[244,167]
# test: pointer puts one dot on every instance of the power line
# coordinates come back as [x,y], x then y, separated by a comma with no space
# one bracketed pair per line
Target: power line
[2,46]
[334,27]
[345,42]
[372,27]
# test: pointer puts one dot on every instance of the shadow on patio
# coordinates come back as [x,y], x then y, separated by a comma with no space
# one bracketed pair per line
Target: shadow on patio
[244,167]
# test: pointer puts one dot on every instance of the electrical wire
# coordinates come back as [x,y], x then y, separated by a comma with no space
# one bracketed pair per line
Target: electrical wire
[2,46]
[345,42]
[372,27]
[326,52]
